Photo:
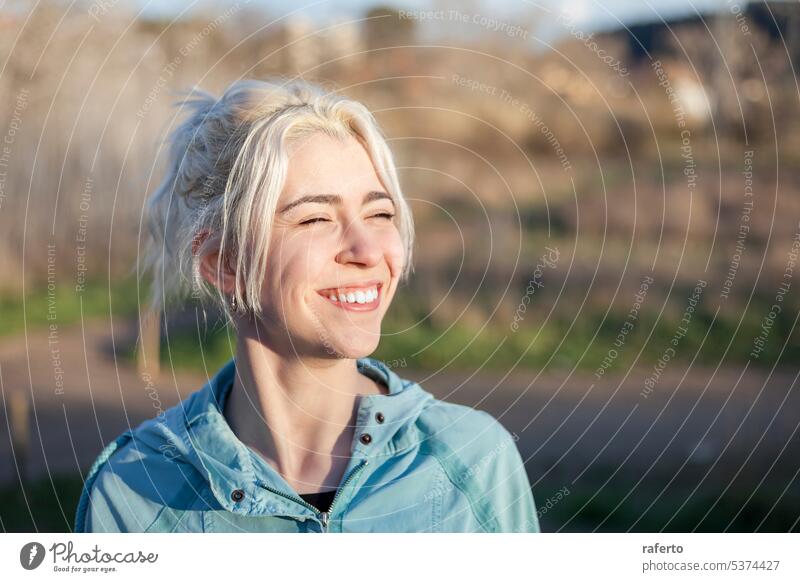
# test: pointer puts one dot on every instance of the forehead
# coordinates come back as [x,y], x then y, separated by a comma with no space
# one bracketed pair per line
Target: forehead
[320,163]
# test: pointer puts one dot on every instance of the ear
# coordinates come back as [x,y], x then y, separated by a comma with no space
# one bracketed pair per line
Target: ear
[225,280]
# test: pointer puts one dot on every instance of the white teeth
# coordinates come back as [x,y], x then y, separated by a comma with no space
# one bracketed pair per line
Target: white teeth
[358,296]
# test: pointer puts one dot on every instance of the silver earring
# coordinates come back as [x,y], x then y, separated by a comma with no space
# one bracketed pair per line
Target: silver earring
[233,302]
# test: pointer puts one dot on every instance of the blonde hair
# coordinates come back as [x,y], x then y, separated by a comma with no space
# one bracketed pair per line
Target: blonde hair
[227,164]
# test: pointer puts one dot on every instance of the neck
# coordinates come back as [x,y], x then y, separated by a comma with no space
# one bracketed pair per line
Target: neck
[297,413]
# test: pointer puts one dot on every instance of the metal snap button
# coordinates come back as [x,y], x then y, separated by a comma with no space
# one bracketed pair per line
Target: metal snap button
[379,417]
[366,438]
[237,495]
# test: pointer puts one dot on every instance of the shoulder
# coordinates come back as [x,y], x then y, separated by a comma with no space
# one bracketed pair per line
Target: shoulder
[467,432]
[480,458]
[134,479]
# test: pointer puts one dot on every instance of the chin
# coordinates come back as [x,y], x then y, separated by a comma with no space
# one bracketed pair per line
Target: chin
[353,349]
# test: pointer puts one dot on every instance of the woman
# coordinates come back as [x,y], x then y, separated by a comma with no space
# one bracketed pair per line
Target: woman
[282,202]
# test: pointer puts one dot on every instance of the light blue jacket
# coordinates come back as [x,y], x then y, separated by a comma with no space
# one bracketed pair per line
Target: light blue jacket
[429,466]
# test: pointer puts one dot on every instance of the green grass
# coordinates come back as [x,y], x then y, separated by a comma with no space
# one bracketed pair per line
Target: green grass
[588,507]
[65,306]
[410,335]
[42,506]
[203,350]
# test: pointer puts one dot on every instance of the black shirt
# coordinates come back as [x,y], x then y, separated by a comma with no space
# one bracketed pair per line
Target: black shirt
[321,501]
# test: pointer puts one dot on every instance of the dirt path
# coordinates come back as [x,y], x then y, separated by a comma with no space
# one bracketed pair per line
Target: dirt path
[81,396]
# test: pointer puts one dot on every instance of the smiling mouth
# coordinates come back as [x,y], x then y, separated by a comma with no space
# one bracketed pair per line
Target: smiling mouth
[354,298]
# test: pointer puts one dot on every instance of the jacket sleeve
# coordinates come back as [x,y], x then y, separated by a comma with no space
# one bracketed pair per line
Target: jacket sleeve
[94,499]
[112,500]
[508,486]
[516,509]
[480,460]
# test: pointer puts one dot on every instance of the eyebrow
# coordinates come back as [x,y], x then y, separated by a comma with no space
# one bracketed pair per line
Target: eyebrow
[335,199]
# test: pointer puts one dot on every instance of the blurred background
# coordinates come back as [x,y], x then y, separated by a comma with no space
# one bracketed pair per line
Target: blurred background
[607,201]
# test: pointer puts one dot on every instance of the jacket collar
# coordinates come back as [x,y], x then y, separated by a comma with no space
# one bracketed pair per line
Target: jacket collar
[228,464]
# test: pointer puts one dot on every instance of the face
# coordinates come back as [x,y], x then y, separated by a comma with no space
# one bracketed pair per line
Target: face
[335,253]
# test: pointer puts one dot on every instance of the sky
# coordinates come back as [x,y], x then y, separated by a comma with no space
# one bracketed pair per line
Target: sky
[586,15]
[592,13]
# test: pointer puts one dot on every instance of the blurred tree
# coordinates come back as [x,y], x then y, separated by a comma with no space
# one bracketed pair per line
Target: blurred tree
[383,27]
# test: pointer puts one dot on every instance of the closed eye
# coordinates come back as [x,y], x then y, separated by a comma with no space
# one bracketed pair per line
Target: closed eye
[386,215]
[313,220]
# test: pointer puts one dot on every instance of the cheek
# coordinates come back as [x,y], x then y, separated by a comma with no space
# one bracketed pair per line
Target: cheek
[395,252]
[294,265]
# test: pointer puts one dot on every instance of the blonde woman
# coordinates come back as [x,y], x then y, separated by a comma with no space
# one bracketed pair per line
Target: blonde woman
[282,202]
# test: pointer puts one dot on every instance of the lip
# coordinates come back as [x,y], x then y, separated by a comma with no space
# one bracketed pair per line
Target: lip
[371,306]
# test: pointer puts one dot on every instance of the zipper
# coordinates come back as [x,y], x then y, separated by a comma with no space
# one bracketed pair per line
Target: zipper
[325,515]
[322,516]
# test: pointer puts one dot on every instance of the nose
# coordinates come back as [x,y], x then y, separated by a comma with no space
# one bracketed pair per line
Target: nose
[360,246]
